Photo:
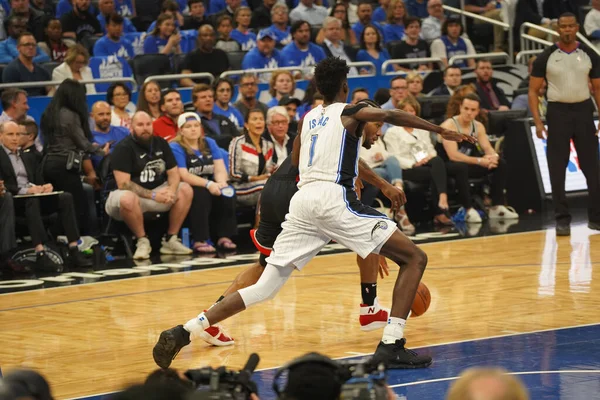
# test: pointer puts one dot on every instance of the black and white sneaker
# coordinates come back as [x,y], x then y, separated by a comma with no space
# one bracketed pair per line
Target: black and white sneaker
[169,344]
[396,356]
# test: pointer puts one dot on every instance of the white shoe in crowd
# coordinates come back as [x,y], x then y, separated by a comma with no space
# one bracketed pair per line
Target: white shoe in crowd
[472,216]
[143,249]
[174,246]
[502,212]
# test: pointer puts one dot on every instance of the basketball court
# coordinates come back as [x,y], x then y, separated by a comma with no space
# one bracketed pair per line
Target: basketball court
[525,301]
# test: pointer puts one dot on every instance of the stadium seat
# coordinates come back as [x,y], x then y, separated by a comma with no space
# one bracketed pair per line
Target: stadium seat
[151,64]
[50,65]
[178,62]
[109,67]
[88,42]
[314,32]
[235,59]
[392,46]
[137,41]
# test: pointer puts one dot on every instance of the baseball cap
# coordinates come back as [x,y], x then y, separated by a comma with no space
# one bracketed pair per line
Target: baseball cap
[285,100]
[187,116]
[266,33]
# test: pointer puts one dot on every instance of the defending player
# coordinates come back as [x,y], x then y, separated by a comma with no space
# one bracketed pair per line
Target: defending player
[326,207]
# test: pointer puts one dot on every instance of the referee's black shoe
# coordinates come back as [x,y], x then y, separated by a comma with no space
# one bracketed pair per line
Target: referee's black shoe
[169,344]
[594,225]
[396,356]
[563,229]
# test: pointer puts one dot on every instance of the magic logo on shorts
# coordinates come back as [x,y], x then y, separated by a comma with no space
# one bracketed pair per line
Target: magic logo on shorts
[379,225]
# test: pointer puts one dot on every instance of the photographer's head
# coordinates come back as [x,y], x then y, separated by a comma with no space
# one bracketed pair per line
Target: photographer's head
[310,377]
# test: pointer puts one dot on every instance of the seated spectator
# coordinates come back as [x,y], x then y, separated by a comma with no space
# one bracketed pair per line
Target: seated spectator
[351,10]
[223,93]
[163,39]
[171,108]
[382,96]
[309,12]
[301,52]
[113,43]
[521,102]
[15,25]
[432,25]
[225,42]
[46,7]
[417,8]
[487,383]
[294,107]
[169,7]
[280,27]
[347,35]
[35,19]
[251,160]
[278,133]
[201,165]
[103,131]
[67,138]
[230,8]
[149,99]
[591,24]
[489,9]
[65,6]
[197,16]
[215,126]
[481,158]
[75,67]
[533,12]
[80,22]
[14,105]
[106,8]
[248,88]
[261,16]
[206,58]
[8,237]
[358,94]
[148,181]
[491,96]
[398,91]
[282,84]
[119,97]
[54,45]
[125,8]
[371,50]
[394,29]
[333,44]
[23,69]
[264,55]
[364,13]
[412,46]
[242,33]
[420,162]
[29,134]
[451,44]
[452,80]
[415,84]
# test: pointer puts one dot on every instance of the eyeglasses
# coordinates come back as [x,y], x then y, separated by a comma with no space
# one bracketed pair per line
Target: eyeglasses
[279,122]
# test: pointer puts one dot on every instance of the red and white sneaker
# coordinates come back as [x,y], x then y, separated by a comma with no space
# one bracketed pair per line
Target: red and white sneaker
[373,317]
[216,336]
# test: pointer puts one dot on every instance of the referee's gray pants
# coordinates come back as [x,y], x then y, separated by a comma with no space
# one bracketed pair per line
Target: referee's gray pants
[575,121]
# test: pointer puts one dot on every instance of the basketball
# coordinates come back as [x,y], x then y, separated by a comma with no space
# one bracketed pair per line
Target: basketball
[422,300]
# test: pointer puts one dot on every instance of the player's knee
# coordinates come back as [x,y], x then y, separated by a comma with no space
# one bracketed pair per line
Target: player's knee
[258,293]
[420,258]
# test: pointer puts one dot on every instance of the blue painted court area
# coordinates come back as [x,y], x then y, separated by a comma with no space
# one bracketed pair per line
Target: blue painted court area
[555,364]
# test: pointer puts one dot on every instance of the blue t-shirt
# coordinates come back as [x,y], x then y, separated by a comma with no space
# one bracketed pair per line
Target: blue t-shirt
[294,57]
[127,25]
[254,59]
[392,32]
[247,40]
[8,52]
[363,55]
[415,9]
[378,15]
[106,47]
[115,134]
[154,44]
[282,37]
[358,29]
[458,49]
[197,164]
[232,113]
[124,8]
[65,6]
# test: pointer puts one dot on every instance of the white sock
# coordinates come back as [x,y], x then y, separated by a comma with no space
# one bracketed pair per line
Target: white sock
[196,326]
[394,330]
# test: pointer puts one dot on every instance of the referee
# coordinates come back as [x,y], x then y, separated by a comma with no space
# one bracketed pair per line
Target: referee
[567,66]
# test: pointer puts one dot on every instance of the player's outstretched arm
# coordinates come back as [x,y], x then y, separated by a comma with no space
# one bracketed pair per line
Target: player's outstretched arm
[396,195]
[402,118]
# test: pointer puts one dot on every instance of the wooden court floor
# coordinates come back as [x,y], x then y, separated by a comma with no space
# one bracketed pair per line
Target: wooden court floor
[96,338]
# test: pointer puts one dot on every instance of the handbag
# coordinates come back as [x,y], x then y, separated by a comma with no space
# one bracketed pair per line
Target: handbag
[74,161]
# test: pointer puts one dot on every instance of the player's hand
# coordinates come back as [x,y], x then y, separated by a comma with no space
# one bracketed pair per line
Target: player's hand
[540,130]
[396,196]
[383,267]
[457,137]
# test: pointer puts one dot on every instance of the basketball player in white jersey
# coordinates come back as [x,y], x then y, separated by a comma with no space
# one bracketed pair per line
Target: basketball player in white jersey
[326,207]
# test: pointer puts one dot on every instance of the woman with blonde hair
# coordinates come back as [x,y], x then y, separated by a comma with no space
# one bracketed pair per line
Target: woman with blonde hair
[415,84]
[212,214]
[149,99]
[75,67]
[282,84]
[394,29]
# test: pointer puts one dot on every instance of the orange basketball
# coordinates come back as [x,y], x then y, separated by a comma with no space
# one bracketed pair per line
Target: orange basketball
[422,301]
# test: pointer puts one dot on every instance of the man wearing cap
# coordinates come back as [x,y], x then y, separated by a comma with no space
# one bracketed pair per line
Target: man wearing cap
[264,55]
[451,44]
[148,181]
